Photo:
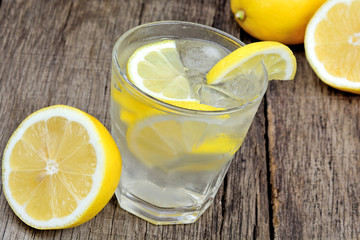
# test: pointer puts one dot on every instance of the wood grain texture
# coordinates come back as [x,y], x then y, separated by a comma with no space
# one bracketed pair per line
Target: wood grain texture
[315,172]
[59,52]
[295,177]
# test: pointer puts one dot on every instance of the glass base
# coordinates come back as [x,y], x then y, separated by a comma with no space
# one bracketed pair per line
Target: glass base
[158,215]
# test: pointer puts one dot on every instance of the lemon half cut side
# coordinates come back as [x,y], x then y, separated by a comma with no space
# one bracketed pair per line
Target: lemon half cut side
[332,44]
[60,168]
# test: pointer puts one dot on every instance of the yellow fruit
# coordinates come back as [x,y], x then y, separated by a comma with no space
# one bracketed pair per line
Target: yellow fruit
[157,69]
[278,59]
[332,44]
[275,20]
[60,168]
[162,141]
[133,110]
[193,105]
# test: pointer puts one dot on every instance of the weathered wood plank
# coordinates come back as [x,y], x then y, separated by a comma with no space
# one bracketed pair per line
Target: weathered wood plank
[59,52]
[314,142]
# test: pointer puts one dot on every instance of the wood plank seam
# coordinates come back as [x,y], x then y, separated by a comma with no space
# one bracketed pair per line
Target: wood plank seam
[271,168]
[223,203]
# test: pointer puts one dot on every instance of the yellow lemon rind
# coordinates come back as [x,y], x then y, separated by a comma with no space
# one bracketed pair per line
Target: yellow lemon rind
[241,55]
[139,56]
[105,181]
[276,20]
[309,44]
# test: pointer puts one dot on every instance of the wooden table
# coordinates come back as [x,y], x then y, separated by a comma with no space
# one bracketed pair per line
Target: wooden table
[297,175]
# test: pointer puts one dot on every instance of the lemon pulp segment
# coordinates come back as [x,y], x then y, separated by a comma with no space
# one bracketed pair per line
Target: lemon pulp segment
[54,168]
[157,70]
[50,174]
[332,44]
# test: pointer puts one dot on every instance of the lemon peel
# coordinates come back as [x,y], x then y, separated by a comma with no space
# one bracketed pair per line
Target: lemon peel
[60,168]
[278,59]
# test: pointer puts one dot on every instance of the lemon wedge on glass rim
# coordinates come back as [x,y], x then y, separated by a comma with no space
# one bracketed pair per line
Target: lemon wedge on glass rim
[60,168]
[278,59]
[157,69]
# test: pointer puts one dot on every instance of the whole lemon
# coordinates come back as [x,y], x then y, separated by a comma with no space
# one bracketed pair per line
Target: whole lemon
[275,20]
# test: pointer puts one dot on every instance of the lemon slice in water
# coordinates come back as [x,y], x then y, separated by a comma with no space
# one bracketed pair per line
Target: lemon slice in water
[157,70]
[172,143]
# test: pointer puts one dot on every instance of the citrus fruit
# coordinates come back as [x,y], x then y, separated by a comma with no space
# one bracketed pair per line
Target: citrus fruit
[275,20]
[133,109]
[278,59]
[173,143]
[157,70]
[332,44]
[60,168]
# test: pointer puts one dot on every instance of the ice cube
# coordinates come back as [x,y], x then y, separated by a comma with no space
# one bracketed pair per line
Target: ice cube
[195,77]
[242,87]
[217,97]
[199,55]
[246,86]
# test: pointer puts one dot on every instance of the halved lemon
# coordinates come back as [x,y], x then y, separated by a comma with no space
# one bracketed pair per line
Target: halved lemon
[60,168]
[278,59]
[180,143]
[332,44]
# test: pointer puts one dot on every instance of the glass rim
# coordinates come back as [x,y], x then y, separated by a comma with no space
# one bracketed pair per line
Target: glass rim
[167,106]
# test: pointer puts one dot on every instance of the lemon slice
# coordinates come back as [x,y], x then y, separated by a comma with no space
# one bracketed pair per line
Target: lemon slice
[132,109]
[157,70]
[60,168]
[332,44]
[179,143]
[278,59]
[194,105]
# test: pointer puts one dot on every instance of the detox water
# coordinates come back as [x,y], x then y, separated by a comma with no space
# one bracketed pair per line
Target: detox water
[175,160]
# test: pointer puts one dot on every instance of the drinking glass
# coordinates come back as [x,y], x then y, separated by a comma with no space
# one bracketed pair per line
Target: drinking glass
[174,158]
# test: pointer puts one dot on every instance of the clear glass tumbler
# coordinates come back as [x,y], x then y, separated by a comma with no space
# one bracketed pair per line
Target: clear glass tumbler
[174,159]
